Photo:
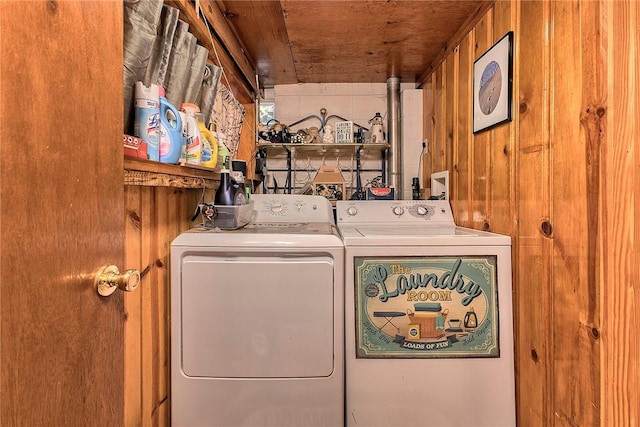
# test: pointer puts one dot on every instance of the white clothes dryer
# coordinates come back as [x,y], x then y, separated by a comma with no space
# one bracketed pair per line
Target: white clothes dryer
[257,319]
[429,329]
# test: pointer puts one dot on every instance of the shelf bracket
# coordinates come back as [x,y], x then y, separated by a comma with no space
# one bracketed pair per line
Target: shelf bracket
[289,169]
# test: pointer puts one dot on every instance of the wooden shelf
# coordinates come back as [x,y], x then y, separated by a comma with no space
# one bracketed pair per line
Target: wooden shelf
[322,148]
[156,174]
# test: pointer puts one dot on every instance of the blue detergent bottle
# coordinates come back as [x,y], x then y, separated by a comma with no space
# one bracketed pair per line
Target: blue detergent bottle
[170,141]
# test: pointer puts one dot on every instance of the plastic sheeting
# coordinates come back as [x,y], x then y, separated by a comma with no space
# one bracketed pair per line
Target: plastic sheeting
[140,30]
[207,95]
[184,45]
[159,61]
[196,74]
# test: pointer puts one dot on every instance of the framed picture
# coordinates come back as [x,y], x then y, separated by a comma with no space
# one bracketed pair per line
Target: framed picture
[492,85]
[344,132]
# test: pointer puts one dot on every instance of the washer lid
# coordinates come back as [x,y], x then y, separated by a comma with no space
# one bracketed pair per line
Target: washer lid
[370,235]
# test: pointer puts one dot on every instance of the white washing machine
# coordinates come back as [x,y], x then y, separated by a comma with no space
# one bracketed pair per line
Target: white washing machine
[429,330]
[257,319]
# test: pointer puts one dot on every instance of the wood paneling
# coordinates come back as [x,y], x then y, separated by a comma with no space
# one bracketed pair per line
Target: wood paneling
[480,148]
[247,149]
[619,260]
[155,216]
[532,271]
[460,172]
[575,187]
[562,180]
[501,207]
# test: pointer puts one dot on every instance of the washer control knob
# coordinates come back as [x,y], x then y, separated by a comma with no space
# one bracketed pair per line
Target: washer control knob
[398,210]
[422,210]
[277,207]
[351,210]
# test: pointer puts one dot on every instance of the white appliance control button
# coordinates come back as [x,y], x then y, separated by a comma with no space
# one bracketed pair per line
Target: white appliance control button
[422,210]
[351,210]
[398,210]
[277,207]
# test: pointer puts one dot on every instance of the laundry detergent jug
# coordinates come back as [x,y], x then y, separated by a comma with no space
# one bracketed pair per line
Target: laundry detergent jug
[194,138]
[170,132]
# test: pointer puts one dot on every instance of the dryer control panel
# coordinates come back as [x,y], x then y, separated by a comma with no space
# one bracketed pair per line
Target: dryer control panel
[289,208]
[394,211]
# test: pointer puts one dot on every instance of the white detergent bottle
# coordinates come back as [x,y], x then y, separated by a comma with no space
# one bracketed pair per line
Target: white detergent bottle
[183,138]
[194,138]
[146,125]
[209,144]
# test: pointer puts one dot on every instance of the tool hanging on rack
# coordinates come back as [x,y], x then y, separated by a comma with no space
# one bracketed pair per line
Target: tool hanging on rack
[359,193]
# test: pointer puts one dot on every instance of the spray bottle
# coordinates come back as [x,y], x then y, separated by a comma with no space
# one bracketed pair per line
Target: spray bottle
[146,124]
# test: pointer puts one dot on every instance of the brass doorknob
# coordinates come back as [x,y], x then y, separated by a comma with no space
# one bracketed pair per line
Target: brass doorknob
[108,279]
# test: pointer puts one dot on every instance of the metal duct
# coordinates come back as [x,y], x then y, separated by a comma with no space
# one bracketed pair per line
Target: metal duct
[394,156]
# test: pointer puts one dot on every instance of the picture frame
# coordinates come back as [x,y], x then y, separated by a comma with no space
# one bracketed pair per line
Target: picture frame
[344,132]
[493,85]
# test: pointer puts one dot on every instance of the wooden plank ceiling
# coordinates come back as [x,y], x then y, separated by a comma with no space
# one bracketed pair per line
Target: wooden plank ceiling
[348,41]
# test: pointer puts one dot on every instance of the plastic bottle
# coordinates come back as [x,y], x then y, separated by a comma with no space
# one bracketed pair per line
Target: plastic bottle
[209,145]
[146,125]
[223,151]
[183,138]
[170,132]
[225,194]
[229,192]
[194,145]
[240,195]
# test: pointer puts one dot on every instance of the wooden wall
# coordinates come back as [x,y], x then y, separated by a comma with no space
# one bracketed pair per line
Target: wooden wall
[154,217]
[563,179]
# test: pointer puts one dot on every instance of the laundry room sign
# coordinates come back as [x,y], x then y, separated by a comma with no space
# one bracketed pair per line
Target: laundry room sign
[426,307]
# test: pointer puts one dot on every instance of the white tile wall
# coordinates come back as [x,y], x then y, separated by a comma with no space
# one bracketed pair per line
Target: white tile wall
[356,102]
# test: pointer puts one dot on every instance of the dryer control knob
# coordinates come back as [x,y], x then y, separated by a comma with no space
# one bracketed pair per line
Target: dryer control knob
[277,207]
[351,210]
[398,210]
[422,210]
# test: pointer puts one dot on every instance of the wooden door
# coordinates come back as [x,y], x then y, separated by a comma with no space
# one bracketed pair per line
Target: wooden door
[61,213]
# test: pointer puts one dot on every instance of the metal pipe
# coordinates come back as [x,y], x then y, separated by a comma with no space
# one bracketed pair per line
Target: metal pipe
[394,157]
